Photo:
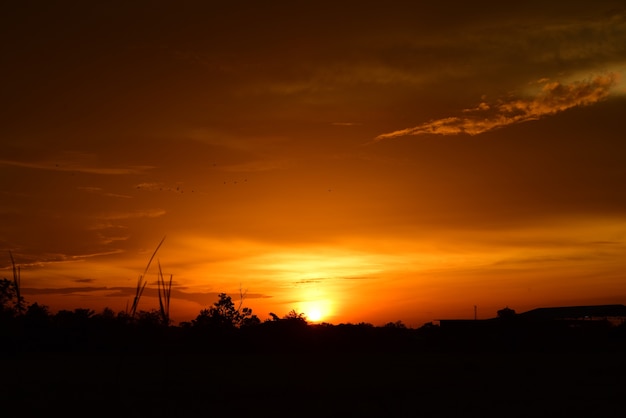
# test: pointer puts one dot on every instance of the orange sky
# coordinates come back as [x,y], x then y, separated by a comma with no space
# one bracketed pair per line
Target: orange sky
[371,162]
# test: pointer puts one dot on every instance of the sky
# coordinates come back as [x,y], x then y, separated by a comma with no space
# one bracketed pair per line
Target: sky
[352,161]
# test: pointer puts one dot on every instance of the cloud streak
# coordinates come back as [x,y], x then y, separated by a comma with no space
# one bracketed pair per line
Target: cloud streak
[148,213]
[100,191]
[75,168]
[553,97]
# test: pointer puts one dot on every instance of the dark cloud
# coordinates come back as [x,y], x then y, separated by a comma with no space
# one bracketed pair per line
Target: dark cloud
[310,281]
[64,290]
[203,298]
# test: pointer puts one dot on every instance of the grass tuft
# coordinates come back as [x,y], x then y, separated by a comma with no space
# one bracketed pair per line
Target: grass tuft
[164,290]
[141,283]
[17,283]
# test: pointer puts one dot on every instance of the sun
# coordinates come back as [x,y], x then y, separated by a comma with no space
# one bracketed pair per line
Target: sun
[314,315]
[315,310]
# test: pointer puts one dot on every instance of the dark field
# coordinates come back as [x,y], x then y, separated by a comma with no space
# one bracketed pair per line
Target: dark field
[84,364]
[573,383]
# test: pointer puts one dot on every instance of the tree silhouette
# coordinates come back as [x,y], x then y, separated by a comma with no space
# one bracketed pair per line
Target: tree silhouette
[149,319]
[37,316]
[223,314]
[398,324]
[8,299]
[295,316]
[506,312]
[11,301]
[79,317]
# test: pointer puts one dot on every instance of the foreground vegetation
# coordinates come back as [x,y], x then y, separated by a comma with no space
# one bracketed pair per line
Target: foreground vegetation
[227,362]
[233,328]
[220,327]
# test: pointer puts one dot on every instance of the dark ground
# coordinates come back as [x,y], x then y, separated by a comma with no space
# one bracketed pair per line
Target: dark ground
[523,383]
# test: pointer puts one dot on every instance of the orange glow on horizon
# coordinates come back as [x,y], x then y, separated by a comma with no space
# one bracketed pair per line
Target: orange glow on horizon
[417,283]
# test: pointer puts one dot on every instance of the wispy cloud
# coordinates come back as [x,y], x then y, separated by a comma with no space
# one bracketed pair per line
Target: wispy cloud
[553,97]
[46,259]
[100,191]
[346,124]
[111,239]
[149,213]
[46,165]
[64,290]
[99,254]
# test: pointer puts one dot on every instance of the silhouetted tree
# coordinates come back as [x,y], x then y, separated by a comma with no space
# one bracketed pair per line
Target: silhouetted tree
[397,324]
[107,314]
[124,317]
[247,318]
[293,321]
[274,317]
[37,316]
[295,316]
[109,325]
[224,315]
[8,299]
[11,301]
[506,313]
[151,318]
[77,317]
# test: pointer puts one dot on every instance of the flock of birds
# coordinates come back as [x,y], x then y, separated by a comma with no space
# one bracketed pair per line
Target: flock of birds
[179,189]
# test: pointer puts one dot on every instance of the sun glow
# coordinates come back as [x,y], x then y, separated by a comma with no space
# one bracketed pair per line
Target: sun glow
[314,315]
[316,310]
[314,283]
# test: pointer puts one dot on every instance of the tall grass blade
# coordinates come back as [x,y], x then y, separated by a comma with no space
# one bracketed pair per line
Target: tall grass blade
[141,282]
[164,292]
[17,283]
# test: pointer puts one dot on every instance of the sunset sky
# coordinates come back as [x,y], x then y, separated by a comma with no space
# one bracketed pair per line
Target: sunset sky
[368,161]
